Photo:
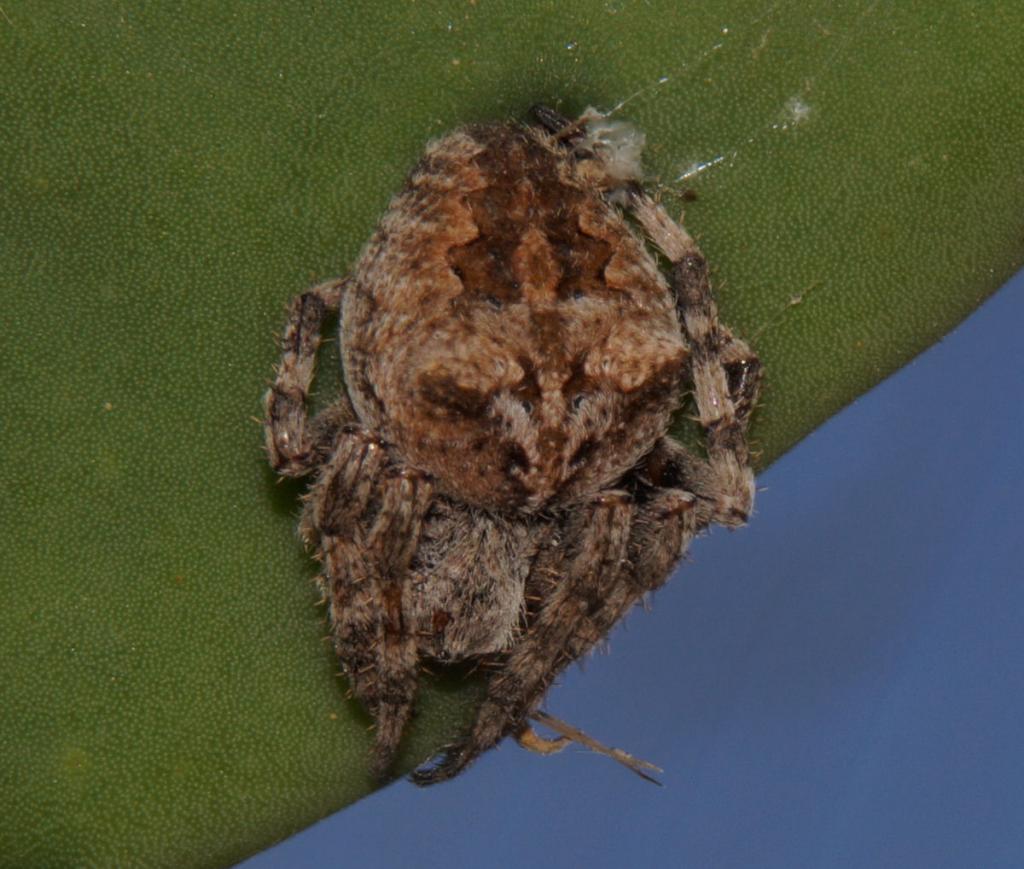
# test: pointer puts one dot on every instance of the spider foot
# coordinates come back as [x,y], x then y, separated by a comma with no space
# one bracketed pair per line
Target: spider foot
[385,749]
[453,760]
[493,724]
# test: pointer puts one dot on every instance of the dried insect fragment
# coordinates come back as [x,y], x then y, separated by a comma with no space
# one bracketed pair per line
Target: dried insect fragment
[497,484]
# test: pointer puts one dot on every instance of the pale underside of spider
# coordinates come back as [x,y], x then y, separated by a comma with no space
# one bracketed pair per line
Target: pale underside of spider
[497,485]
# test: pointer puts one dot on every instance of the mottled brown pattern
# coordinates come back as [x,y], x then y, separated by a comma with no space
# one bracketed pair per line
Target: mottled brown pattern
[496,485]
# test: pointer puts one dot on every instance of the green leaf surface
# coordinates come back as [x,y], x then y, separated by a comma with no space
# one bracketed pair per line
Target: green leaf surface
[170,174]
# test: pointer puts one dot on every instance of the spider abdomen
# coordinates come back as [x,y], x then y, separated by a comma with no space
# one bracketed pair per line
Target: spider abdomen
[506,330]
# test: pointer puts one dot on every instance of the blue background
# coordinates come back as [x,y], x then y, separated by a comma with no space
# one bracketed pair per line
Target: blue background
[839,684]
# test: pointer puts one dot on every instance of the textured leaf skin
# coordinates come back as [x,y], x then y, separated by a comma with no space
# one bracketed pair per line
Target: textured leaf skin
[171,174]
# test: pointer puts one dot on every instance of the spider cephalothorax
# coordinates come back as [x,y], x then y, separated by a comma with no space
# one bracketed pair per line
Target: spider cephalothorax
[512,355]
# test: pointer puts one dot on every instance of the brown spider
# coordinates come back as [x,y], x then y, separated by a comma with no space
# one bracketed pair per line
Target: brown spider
[497,486]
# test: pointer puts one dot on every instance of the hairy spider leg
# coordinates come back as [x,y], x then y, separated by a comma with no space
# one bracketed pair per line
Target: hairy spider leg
[291,438]
[368,537]
[363,514]
[724,370]
[621,551]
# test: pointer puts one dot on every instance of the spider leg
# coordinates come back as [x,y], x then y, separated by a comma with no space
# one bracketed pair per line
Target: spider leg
[558,125]
[368,518]
[624,550]
[293,442]
[577,577]
[363,513]
[582,606]
[550,119]
[725,371]
[395,536]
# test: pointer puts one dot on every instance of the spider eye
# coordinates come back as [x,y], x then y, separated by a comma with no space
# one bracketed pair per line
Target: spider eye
[578,401]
